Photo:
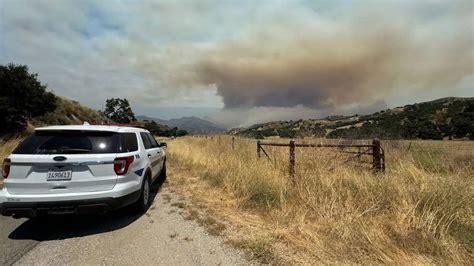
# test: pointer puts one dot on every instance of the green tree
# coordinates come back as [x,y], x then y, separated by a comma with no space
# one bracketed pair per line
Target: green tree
[164,131]
[181,132]
[119,110]
[286,133]
[463,122]
[22,97]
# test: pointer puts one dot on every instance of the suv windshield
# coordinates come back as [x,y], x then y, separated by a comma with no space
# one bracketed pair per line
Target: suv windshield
[73,142]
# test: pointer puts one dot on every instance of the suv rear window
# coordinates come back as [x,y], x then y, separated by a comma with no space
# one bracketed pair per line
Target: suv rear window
[74,142]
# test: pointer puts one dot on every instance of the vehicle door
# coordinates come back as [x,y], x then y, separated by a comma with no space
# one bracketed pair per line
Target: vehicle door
[158,152]
[162,146]
[152,152]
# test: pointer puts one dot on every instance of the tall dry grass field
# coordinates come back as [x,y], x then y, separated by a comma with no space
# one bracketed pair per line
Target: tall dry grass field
[419,211]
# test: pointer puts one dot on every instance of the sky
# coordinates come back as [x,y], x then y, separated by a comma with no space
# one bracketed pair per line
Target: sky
[242,62]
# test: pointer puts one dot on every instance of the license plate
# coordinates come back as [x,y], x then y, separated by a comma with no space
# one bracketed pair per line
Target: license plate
[59,175]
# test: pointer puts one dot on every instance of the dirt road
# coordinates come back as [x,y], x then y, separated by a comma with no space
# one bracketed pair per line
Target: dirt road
[161,236]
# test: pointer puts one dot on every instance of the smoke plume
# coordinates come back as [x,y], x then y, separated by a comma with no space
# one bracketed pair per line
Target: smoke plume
[325,64]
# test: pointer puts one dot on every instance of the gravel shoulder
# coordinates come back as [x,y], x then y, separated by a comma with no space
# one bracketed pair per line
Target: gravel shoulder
[162,236]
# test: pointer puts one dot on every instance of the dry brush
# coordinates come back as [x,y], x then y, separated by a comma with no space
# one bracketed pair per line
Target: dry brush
[419,210]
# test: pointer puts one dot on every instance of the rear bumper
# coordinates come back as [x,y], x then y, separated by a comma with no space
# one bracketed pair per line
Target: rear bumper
[83,206]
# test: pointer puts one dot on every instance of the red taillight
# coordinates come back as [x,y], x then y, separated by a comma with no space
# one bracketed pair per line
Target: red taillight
[6,167]
[122,164]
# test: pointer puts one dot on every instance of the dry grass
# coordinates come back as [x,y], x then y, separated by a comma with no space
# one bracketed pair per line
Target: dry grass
[69,112]
[419,211]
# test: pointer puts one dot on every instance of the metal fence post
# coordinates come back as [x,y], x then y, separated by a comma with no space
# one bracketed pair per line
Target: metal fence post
[292,159]
[377,157]
[259,148]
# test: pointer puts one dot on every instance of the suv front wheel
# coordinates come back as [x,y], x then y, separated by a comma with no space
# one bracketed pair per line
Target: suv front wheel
[162,177]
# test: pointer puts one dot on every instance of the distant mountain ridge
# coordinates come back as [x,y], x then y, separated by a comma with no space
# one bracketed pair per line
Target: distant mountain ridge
[450,117]
[192,124]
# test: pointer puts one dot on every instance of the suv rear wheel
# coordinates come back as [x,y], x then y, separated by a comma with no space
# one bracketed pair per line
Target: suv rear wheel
[143,202]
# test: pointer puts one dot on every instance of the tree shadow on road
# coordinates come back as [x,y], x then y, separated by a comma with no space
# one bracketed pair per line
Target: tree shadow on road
[56,227]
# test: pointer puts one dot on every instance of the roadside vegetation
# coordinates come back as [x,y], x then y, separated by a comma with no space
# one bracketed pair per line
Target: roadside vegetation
[68,112]
[419,211]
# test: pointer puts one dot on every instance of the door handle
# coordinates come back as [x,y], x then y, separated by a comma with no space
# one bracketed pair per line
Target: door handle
[149,155]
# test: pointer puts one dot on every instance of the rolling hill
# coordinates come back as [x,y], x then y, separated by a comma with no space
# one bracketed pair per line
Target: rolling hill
[68,112]
[445,118]
[193,125]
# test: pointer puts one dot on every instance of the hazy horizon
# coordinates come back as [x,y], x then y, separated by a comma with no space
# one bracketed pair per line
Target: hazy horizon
[242,62]
[207,113]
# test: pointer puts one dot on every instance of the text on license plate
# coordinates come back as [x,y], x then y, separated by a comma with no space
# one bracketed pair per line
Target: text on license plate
[59,175]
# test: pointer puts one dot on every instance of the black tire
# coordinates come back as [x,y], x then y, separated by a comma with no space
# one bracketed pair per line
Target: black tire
[144,200]
[162,177]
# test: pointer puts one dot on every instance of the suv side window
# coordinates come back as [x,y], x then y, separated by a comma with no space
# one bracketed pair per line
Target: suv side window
[128,142]
[153,142]
[146,140]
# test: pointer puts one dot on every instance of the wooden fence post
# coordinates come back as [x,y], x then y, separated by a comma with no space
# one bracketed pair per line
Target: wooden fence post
[377,156]
[233,142]
[292,159]
[259,148]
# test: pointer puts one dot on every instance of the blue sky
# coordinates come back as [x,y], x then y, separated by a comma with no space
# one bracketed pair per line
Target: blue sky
[242,62]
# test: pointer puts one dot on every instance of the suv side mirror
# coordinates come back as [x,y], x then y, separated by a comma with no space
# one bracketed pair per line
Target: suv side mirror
[162,144]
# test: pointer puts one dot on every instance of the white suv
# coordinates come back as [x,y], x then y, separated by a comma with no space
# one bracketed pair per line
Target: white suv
[81,169]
